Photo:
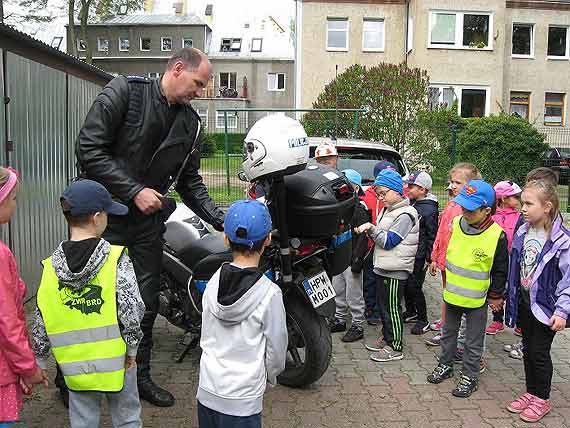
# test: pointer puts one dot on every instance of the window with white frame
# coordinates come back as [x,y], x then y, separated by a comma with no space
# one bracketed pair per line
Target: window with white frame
[337,34]
[276,81]
[81,45]
[373,35]
[256,44]
[228,80]
[187,43]
[152,75]
[56,42]
[472,101]
[124,44]
[523,40]
[460,30]
[232,120]
[203,113]
[554,109]
[145,44]
[230,45]
[102,45]
[166,44]
[557,42]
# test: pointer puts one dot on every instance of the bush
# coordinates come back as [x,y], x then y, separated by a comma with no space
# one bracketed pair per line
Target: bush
[503,147]
[235,142]
[207,144]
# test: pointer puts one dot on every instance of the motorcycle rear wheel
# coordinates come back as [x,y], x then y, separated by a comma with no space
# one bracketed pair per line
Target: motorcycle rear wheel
[310,344]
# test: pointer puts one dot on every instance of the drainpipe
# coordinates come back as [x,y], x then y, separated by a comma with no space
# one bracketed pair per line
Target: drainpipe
[407,25]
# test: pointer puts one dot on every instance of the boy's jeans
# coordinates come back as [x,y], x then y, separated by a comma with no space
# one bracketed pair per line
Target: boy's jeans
[208,418]
[349,298]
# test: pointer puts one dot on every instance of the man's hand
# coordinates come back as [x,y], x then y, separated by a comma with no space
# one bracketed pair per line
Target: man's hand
[495,304]
[363,228]
[148,200]
[130,362]
[557,323]
[433,269]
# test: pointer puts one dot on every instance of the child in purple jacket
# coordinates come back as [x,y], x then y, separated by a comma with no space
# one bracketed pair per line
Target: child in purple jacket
[538,292]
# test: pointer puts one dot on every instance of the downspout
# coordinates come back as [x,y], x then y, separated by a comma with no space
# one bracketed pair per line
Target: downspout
[406,38]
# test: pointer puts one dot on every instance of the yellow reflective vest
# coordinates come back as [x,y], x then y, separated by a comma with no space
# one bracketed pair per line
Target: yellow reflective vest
[468,265]
[83,328]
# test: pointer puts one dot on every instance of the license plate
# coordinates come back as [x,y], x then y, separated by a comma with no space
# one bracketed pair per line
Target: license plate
[319,289]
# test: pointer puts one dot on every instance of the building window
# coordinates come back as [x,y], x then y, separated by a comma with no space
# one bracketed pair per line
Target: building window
[166,44]
[56,42]
[228,80]
[124,44]
[441,97]
[523,40]
[187,43]
[373,35]
[276,81]
[558,42]
[460,30]
[153,75]
[472,101]
[203,113]
[520,104]
[81,45]
[230,45]
[554,109]
[232,120]
[103,45]
[145,44]
[337,34]
[256,45]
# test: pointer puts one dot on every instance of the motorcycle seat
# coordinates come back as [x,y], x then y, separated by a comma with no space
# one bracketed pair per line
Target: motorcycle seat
[198,250]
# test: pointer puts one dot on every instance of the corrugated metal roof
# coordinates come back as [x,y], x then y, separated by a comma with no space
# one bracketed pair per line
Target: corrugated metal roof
[148,19]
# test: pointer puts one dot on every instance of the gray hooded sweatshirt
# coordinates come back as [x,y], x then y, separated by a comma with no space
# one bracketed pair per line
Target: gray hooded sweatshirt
[87,257]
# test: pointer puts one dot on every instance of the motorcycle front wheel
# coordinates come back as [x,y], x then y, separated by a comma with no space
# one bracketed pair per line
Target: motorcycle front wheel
[310,344]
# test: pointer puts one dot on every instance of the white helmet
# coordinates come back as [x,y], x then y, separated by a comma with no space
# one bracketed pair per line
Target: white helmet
[325,149]
[275,145]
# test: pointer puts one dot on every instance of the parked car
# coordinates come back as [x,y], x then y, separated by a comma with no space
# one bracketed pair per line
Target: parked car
[558,159]
[361,156]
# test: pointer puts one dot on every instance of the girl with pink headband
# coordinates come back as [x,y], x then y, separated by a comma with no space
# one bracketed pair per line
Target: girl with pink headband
[18,368]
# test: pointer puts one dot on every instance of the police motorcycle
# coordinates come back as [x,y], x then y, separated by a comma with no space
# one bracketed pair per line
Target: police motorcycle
[311,209]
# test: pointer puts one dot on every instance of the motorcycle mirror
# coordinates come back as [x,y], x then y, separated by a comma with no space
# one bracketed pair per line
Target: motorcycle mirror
[241,175]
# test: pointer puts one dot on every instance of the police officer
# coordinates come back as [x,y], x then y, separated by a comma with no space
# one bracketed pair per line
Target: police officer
[139,138]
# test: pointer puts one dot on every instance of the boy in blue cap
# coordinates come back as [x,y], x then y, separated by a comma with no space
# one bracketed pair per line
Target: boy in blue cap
[476,273]
[244,333]
[348,285]
[89,311]
[396,237]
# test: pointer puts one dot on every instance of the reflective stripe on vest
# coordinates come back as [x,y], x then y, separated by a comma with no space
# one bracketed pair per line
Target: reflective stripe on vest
[469,261]
[83,327]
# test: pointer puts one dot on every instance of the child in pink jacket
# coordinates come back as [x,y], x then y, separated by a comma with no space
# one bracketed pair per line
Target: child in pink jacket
[18,369]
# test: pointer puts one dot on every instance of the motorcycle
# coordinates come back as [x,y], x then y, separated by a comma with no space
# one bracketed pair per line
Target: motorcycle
[302,258]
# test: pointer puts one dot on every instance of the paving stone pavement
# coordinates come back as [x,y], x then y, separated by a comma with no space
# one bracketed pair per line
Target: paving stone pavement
[355,391]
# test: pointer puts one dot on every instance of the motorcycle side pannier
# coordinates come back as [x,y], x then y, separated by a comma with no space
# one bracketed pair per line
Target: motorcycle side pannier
[320,202]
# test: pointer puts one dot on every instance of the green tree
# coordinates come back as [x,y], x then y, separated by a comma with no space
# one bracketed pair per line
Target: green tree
[393,94]
[503,147]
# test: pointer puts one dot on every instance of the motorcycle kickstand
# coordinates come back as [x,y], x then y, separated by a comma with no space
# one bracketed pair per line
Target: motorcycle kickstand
[188,342]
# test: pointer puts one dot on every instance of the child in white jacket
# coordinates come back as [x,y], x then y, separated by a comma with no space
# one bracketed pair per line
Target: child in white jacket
[244,333]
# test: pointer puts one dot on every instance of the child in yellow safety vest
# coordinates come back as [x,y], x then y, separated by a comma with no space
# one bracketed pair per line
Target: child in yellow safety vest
[89,312]
[476,274]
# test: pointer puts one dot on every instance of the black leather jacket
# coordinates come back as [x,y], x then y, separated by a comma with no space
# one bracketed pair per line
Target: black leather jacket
[133,139]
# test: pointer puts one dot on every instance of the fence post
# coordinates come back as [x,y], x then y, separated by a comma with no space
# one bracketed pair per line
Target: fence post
[453,143]
[227,151]
[355,124]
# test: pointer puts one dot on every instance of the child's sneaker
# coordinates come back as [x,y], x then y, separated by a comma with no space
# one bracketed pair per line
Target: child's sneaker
[509,347]
[440,373]
[337,326]
[495,327]
[436,325]
[420,327]
[517,352]
[518,331]
[377,345]
[353,334]
[536,410]
[482,366]
[409,317]
[465,387]
[520,403]
[433,341]
[387,354]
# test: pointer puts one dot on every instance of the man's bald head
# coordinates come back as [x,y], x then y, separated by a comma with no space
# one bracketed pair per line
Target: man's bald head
[187,74]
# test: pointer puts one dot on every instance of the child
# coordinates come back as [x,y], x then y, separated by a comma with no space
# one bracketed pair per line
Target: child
[476,272]
[89,312]
[538,292]
[396,237]
[244,335]
[18,368]
[425,203]
[348,285]
[508,216]
[459,175]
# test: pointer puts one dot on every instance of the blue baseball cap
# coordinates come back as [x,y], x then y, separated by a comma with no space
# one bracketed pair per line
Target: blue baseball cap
[476,194]
[390,179]
[247,222]
[382,165]
[84,197]
[355,178]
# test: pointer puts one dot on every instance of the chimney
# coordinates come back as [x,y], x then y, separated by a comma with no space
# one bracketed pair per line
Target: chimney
[178,8]
[209,14]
